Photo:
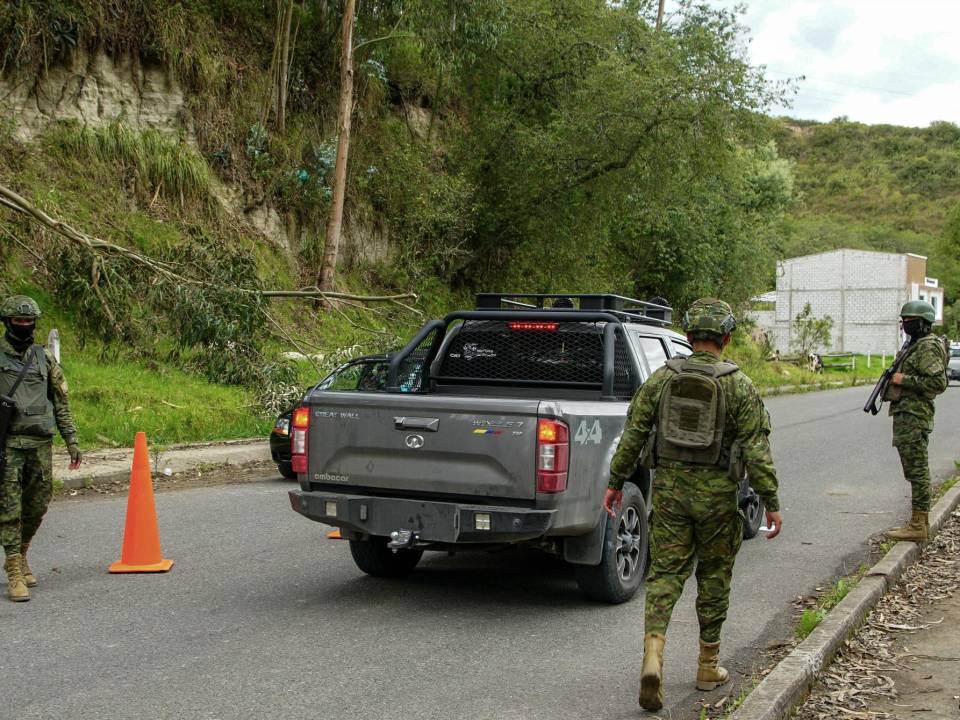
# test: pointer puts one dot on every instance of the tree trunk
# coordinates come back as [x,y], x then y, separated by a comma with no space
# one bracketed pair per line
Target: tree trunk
[660,14]
[276,97]
[332,247]
[283,68]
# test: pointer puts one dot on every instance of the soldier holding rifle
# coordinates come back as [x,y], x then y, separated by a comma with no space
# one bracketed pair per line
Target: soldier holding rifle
[917,376]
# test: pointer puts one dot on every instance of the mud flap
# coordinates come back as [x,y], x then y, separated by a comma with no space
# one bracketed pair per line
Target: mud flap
[586,549]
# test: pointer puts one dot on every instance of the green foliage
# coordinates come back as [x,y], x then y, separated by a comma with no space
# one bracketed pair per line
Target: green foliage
[811,333]
[809,619]
[604,151]
[162,163]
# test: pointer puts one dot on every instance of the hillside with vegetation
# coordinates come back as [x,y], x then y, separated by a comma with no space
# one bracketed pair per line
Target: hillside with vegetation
[524,145]
[876,187]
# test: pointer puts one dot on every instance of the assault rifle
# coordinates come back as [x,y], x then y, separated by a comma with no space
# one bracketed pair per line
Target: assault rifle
[875,401]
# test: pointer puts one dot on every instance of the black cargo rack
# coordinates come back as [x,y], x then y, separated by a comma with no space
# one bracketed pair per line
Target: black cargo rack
[623,308]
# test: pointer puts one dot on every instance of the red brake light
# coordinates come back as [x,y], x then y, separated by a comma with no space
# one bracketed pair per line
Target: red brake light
[300,426]
[553,455]
[547,326]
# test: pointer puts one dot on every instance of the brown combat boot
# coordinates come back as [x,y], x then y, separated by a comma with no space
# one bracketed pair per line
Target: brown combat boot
[651,676]
[917,530]
[16,588]
[29,579]
[709,673]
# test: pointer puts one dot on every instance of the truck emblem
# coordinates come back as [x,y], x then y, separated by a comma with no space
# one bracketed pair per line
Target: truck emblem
[413,441]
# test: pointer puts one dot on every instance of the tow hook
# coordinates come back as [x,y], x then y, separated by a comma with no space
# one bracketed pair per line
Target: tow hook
[402,540]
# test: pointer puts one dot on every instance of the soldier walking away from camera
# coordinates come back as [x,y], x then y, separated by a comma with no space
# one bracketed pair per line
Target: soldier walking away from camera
[699,421]
[32,382]
[921,375]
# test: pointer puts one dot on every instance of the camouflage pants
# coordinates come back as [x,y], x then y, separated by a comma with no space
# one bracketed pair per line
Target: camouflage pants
[25,491]
[910,437]
[693,522]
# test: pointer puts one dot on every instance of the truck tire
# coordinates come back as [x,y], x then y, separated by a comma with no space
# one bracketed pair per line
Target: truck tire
[625,556]
[286,469]
[376,559]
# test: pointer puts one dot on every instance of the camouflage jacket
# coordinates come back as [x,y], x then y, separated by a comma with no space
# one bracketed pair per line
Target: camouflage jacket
[57,392]
[747,424]
[925,371]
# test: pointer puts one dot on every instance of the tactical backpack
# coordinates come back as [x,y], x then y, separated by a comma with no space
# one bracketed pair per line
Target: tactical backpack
[693,412]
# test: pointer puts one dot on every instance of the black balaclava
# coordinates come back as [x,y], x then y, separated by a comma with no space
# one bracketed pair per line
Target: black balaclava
[19,336]
[915,327]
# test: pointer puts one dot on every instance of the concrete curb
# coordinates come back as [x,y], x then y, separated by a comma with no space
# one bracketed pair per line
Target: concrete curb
[787,684]
[105,467]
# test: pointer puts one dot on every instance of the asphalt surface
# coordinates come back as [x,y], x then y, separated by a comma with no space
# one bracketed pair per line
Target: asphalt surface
[262,616]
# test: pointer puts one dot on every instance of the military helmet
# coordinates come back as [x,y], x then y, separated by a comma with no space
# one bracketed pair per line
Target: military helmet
[919,308]
[20,306]
[709,315]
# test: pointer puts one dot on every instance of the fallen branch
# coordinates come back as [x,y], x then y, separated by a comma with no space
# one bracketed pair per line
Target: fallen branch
[293,342]
[18,203]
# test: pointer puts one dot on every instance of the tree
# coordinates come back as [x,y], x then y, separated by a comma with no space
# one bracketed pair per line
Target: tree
[335,222]
[811,333]
[284,42]
[607,152]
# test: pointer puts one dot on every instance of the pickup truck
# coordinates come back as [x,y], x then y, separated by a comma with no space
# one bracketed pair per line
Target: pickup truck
[496,428]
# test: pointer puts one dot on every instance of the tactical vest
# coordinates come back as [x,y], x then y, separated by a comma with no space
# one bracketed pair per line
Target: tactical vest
[34,410]
[693,412]
[893,393]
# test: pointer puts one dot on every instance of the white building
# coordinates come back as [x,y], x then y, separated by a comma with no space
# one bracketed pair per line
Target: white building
[861,290]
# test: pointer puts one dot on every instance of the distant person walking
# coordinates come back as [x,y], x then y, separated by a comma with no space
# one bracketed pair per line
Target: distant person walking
[920,375]
[691,420]
[34,394]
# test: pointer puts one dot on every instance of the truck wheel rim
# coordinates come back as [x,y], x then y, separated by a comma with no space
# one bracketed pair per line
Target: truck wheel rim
[629,544]
[753,509]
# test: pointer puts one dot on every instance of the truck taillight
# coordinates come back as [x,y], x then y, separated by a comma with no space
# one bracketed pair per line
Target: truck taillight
[299,427]
[553,455]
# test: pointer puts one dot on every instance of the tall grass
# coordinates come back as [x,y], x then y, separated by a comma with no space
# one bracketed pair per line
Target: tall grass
[163,162]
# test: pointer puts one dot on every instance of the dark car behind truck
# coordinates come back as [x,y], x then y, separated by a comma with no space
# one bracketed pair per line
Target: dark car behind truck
[497,428]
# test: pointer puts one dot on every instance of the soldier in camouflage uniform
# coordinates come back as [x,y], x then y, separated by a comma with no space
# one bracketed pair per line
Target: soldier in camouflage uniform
[921,376]
[696,520]
[26,484]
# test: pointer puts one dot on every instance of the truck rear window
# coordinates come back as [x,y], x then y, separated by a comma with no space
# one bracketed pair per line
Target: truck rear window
[518,352]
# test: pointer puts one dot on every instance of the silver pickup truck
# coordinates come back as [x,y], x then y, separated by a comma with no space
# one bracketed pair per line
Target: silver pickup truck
[496,428]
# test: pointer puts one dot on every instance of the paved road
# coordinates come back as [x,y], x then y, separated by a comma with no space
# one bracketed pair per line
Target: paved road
[263,617]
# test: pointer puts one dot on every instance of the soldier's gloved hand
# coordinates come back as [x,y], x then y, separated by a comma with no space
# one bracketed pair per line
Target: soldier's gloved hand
[76,457]
[774,522]
[612,501]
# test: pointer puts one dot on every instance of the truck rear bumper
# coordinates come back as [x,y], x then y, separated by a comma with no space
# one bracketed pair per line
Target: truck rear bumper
[431,521]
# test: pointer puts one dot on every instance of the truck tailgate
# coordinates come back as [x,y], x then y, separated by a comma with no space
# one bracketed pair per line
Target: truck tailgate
[451,445]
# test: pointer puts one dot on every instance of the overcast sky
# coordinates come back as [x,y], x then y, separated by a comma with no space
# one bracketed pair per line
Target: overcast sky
[875,61]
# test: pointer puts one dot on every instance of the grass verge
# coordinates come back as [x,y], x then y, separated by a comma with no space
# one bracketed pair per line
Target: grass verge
[827,600]
[112,401]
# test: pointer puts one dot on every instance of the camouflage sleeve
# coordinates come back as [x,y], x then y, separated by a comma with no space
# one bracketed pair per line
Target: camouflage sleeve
[753,437]
[640,416]
[927,374]
[61,405]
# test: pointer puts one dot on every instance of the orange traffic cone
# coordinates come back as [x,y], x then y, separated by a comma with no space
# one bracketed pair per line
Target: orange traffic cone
[141,537]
